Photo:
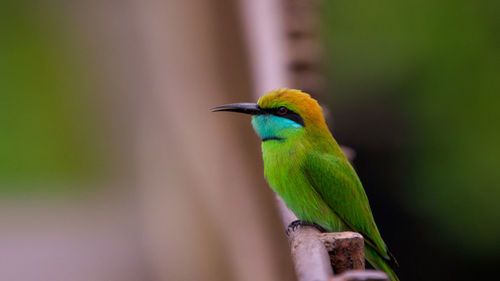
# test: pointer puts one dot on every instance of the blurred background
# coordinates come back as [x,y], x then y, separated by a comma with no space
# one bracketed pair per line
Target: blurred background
[113,168]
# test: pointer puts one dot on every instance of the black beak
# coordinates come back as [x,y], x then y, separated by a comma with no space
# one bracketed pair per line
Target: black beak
[247,108]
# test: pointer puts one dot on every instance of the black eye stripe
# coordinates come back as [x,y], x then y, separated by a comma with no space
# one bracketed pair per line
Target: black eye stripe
[288,115]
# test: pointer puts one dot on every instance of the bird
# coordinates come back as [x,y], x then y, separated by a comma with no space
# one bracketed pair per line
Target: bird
[306,167]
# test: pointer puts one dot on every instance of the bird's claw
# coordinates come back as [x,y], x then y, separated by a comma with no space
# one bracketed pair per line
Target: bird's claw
[297,223]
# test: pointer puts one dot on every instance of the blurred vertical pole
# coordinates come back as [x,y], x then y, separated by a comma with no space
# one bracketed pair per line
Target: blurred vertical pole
[263,22]
[304,47]
[208,213]
[284,44]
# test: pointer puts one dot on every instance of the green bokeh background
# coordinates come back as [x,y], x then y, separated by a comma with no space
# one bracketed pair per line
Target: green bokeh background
[46,118]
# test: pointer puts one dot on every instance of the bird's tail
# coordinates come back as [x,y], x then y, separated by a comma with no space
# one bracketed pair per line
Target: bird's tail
[379,262]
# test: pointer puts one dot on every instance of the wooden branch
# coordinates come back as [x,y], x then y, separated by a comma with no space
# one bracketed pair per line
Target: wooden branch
[346,250]
[317,255]
[309,254]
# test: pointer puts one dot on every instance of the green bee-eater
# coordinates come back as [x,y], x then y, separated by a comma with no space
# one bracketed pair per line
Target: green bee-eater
[306,167]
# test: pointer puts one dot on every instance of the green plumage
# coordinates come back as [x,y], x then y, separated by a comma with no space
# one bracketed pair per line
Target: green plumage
[306,167]
[320,186]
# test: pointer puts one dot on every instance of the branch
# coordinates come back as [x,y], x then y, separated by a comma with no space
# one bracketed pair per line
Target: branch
[317,255]
[346,250]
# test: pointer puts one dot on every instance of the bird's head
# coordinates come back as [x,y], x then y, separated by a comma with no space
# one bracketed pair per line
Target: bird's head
[281,114]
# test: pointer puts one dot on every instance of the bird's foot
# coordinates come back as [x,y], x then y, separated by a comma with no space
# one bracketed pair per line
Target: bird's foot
[297,223]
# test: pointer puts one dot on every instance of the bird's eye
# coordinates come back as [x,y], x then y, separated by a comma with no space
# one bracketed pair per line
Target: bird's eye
[282,110]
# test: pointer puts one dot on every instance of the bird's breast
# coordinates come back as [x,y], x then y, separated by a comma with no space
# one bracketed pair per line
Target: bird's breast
[285,175]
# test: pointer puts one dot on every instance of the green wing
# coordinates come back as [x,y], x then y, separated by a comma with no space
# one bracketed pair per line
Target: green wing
[339,186]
